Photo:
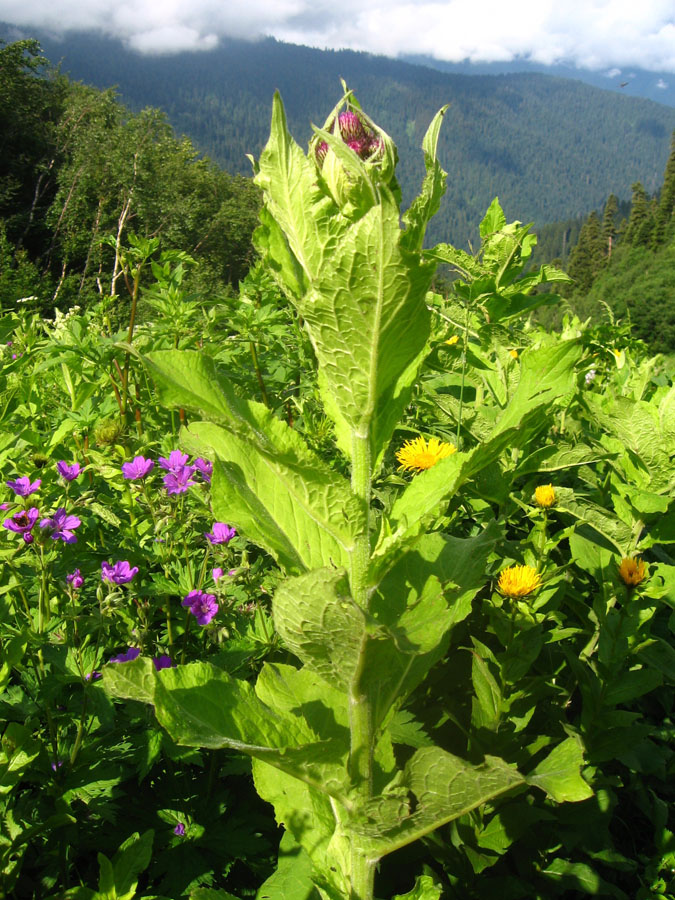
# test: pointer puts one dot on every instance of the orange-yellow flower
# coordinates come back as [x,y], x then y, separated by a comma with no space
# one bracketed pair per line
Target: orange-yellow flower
[544,496]
[632,571]
[418,454]
[514,353]
[452,340]
[519,581]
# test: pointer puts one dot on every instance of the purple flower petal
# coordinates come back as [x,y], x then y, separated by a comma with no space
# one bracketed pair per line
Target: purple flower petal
[163,662]
[62,526]
[75,579]
[179,829]
[136,469]
[23,521]
[23,487]
[179,480]
[221,534]
[131,654]
[177,460]
[117,573]
[68,472]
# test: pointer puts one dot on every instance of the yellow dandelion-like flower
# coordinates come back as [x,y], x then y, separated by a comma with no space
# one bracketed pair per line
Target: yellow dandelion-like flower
[632,571]
[514,353]
[616,352]
[452,340]
[518,581]
[544,496]
[418,454]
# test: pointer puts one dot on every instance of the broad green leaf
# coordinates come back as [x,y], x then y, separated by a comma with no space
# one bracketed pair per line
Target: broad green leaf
[267,482]
[317,619]
[293,877]
[576,876]
[616,533]
[106,878]
[445,787]
[213,894]
[310,817]
[286,501]
[10,656]
[424,889]
[487,704]
[493,221]
[202,706]
[132,858]
[368,322]
[289,183]
[559,774]
[554,458]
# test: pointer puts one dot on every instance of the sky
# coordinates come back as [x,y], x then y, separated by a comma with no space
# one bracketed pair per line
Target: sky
[592,34]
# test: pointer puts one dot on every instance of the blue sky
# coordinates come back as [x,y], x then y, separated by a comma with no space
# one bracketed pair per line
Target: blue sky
[594,34]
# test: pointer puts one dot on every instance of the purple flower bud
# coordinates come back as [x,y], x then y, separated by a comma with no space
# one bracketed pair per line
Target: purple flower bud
[221,534]
[118,573]
[131,654]
[75,580]
[68,473]
[136,469]
[179,829]
[28,537]
[217,573]
[351,128]
[23,487]
[95,675]
[320,152]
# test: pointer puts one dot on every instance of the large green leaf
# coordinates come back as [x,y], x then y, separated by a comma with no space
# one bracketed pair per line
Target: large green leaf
[368,322]
[559,774]
[285,499]
[202,706]
[293,877]
[428,202]
[444,787]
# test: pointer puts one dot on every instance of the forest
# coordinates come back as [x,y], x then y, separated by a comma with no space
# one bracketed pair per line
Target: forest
[336,563]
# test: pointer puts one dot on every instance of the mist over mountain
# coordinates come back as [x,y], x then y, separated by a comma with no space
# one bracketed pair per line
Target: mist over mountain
[551,148]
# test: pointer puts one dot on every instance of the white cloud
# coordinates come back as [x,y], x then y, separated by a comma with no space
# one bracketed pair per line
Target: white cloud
[596,34]
[613,73]
[662,84]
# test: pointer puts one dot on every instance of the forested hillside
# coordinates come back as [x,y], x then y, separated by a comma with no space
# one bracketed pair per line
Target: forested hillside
[80,176]
[549,148]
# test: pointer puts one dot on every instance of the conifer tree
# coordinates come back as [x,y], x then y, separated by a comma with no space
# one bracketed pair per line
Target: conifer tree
[663,219]
[610,225]
[587,258]
[640,222]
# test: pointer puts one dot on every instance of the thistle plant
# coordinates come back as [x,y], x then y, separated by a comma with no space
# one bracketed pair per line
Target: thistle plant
[370,599]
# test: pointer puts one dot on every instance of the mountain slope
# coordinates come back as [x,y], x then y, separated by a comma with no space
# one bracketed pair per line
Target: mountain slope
[549,148]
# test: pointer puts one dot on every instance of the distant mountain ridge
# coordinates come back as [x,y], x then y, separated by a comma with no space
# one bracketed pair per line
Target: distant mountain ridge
[631,81]
[550,148]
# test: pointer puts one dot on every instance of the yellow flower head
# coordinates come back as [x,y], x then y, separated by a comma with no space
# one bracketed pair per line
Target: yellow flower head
[514,353]
[632,571]
[452,340]
[418,454]
[519,581]
[544,496]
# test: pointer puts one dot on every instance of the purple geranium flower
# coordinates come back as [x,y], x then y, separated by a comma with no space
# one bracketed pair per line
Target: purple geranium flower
[217,573]
[205,468]
[69,473]
[177,460]
[23,487]
[62,526]
[179,480]
[95,675]
[137,468]
[179,829]
[131,654]
[221,534]
[163,662]
[202,606]
[75,579]
[22,522]
[118,573]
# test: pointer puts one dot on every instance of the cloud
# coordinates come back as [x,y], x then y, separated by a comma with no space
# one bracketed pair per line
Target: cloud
[663,85]
[595,34]
[613,73]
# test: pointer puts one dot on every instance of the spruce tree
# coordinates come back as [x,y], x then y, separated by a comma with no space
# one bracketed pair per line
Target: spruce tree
[587,258]
[640,222]
[663,219]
